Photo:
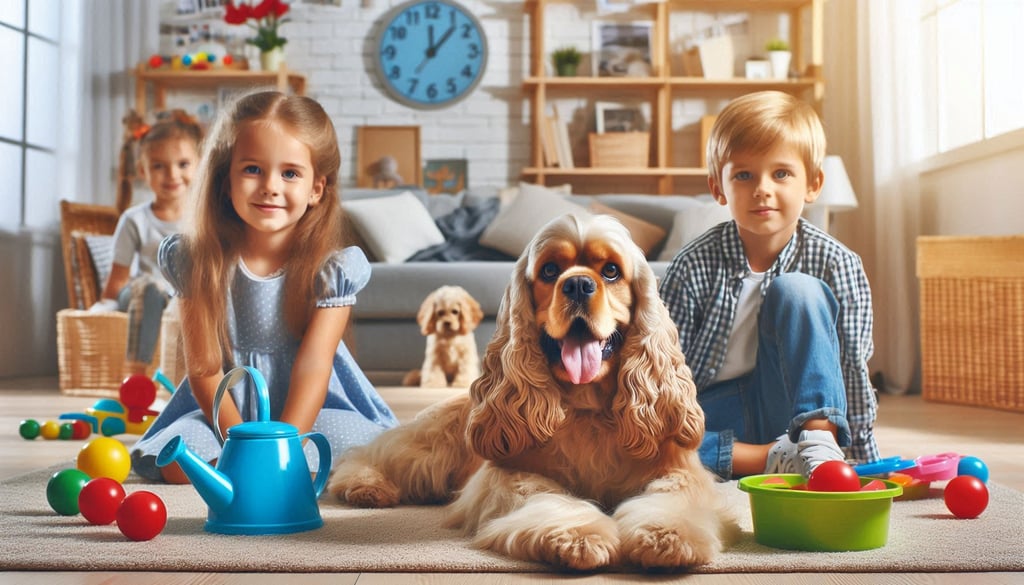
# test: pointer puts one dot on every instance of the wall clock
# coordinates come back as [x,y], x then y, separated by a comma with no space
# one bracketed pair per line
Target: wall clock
[430,53]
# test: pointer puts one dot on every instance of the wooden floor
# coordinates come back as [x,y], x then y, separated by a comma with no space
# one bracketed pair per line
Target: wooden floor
[907,426]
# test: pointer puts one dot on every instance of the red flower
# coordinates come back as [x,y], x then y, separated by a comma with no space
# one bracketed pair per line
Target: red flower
[262,9]
[236,14]
[279,8]
[264,18]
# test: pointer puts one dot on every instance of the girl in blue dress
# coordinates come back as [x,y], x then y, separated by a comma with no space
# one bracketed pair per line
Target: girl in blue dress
[264,281]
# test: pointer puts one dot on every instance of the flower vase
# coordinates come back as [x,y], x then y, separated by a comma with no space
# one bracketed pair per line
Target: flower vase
[780,63]
[272,60]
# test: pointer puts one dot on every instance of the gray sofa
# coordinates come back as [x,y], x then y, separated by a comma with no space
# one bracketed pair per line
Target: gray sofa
[385,338]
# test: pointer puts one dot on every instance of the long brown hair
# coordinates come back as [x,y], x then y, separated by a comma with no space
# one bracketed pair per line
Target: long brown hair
[214,232]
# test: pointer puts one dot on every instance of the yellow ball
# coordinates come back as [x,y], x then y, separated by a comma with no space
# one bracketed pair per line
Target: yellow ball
[105,457]
[50,430]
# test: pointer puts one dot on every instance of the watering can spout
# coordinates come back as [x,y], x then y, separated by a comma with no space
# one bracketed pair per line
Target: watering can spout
[214,487]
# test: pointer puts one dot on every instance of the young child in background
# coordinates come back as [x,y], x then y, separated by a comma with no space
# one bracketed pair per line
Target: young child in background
[168,154]
[264,281]
[774,315]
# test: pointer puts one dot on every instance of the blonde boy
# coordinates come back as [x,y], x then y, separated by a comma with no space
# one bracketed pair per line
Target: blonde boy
[774,315]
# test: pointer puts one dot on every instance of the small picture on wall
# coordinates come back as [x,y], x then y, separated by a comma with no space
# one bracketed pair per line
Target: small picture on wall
[622,49]
[612,117]
[446,175]
[387,156]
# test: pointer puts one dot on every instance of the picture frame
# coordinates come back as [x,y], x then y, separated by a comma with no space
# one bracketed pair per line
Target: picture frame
[612,117]
[757,69]
[388,156]
[447,175]
[622,49]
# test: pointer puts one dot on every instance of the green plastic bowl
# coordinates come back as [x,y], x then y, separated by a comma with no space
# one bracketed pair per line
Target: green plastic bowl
[818,521]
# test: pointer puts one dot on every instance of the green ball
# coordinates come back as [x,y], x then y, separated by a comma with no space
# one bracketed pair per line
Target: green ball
[66,431]
[63,488]
[29,429]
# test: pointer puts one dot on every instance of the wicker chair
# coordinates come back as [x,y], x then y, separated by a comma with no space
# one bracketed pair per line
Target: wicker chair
[91,346]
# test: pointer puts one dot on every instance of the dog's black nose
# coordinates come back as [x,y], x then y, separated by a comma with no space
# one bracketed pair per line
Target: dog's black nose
[579,288]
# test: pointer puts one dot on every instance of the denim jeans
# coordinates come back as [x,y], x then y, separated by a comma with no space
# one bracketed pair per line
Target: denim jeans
[144,302]
[796,377]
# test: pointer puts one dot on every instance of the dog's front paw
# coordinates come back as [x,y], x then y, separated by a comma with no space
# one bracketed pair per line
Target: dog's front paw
[662,546]
[365,488]
[580,549]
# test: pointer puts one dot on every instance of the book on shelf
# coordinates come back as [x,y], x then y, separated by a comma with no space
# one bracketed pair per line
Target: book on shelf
[549,144]
[564,146]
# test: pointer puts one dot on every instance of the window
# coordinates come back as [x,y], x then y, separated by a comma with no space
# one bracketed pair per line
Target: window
[978,76]
[29,131]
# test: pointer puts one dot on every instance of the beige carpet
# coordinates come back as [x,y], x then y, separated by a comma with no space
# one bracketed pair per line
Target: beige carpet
[923,537]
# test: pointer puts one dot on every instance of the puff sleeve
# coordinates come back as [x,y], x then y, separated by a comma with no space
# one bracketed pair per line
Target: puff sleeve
[172,261]
[344,274]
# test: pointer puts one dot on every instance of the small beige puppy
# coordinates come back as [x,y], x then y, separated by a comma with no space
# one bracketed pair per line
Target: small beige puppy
[447,318]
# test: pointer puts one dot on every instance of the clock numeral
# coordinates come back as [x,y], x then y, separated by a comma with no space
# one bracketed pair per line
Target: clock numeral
[412,18]
[389,52]
[467,71]
[432,11]
[398,33]
[452,87]
[413,82]
[474,50]
[467,29]
[432,91]
[395,72]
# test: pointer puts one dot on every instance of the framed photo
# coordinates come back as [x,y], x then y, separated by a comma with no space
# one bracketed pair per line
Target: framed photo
[448,175]
[757,69]
[612,117]
[622,49]
[388,156]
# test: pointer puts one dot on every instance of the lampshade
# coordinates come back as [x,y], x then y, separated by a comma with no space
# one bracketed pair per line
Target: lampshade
[837,192]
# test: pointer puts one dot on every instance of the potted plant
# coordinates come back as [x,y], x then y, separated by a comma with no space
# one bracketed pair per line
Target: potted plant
[566,60]
[780,56]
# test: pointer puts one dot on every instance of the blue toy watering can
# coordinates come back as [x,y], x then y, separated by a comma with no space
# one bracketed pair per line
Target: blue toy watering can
[262,484]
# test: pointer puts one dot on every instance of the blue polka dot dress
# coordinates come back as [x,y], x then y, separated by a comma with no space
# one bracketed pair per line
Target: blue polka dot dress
[353,412]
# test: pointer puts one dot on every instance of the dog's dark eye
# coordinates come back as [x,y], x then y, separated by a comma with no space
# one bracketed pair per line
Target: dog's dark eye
[610,272]
[549,272]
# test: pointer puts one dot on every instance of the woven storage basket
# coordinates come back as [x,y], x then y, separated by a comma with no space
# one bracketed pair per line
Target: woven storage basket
[620,149]
[172,351]
[91,352]
[972,320]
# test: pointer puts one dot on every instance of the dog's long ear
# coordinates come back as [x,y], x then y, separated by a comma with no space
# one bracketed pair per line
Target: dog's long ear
[516,404]
[472,314]
[425,317]
[656,399]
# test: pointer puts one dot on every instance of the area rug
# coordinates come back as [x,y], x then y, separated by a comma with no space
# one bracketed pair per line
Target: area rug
[923,537]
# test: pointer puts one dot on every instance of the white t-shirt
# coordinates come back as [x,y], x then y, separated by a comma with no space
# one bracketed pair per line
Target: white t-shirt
[137,238]
[741,348]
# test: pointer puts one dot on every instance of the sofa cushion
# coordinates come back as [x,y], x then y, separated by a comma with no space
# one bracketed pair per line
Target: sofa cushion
[508,194]
[691,223]
[393,227]
[517,223]
[645,234]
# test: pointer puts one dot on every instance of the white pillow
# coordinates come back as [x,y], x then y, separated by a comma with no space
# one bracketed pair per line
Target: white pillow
[517,223]
[508,194]
[394,227]
[691,223]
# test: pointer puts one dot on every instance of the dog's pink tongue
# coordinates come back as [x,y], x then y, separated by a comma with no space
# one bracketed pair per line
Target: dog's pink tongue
[581,360]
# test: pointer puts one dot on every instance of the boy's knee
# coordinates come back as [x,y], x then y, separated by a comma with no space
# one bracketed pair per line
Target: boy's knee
[798,292]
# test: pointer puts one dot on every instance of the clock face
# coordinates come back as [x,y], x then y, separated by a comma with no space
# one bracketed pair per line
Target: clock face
[430,53]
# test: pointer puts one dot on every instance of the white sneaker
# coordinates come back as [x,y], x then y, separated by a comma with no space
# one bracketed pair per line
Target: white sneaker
[812,449]
[817,447]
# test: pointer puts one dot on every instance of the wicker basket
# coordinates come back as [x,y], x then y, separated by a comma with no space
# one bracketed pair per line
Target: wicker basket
[972,320]
[172,352]
[620,149]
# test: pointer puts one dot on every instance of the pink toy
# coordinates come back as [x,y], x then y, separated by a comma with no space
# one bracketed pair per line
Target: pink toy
[934,467]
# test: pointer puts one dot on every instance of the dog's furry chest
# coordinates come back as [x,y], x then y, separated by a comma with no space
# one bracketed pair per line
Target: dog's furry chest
[447,351]
[586,456]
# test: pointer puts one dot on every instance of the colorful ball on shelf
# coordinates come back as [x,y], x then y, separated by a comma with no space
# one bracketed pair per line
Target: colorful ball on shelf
[156,61]
[227,60]
[187,60]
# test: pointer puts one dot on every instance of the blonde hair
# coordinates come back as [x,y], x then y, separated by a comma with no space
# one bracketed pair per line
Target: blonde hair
[214,232]
[761,120]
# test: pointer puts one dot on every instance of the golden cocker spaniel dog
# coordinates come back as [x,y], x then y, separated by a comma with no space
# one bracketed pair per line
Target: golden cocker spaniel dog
[577,444]
[448,317]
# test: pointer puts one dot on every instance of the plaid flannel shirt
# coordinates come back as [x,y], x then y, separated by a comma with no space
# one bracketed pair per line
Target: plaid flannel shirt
[702,285]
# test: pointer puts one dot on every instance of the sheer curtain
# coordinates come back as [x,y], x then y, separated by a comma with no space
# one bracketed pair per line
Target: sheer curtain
[117,35]
[893,104]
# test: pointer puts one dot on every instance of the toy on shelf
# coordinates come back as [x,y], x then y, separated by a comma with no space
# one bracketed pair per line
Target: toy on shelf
[131,414]
[204,57]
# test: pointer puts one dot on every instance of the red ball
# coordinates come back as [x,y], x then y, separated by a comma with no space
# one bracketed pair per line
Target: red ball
[80,429]
[142,515]
[966,496]
[156,61]
[833,476]
[137,391]
[100,499]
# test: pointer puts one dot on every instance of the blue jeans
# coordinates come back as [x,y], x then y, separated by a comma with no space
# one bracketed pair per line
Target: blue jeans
[796,377]
[144,302]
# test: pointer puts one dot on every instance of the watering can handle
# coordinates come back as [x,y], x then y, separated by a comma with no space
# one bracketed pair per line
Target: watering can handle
[324,447]
[230,379]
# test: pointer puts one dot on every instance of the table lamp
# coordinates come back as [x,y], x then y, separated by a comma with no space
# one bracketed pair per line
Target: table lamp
[836,194]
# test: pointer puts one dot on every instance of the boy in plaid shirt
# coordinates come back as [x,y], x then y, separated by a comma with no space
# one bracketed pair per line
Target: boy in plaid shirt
[774,315]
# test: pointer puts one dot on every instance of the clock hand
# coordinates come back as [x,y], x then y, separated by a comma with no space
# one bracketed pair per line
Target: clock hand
[433,48]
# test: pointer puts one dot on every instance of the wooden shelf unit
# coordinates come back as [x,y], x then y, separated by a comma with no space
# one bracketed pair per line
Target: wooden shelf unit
[663,85]
[164,79]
